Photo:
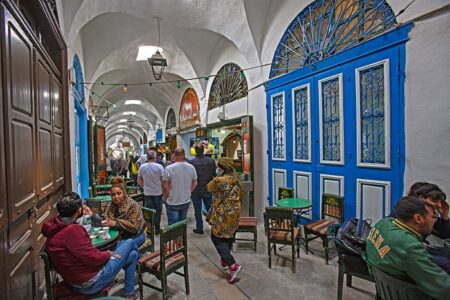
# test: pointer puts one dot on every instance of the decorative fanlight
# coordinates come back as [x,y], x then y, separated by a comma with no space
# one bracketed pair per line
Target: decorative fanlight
[157,61]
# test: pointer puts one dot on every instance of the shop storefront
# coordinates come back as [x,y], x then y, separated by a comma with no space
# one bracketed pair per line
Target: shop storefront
[189,121]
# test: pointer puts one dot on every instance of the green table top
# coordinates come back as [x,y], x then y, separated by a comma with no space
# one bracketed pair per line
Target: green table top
[98,242]
[105,198]
[103,186]
[295,203]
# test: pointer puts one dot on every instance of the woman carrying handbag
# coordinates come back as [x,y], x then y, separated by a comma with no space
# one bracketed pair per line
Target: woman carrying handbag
[225,213]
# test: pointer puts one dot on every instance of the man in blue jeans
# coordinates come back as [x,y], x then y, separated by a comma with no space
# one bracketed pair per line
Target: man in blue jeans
[180,179]
[150,176]
[81,265]
[206,169]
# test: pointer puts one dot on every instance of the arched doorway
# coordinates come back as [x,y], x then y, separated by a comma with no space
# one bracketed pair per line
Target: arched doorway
[335,110]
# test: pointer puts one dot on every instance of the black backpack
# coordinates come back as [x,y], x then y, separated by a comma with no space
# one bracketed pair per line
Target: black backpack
[352,235]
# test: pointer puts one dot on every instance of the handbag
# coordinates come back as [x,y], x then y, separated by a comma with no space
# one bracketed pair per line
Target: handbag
[208,216]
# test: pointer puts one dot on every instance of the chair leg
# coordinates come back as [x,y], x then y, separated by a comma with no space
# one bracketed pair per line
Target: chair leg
[140,282]
[255,239]
[186,279]
[270,255]
[306,242]
[325,246]
[340,281]
[349,280]
[293,257]
[164,286]
[298,247]
[275,249]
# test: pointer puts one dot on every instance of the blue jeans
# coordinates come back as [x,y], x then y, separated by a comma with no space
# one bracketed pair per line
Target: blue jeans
[197,201]
[128,259]
[155,202]
[139,239]
[176,213]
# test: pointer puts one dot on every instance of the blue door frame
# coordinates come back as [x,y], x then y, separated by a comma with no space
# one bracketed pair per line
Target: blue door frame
[82,132]
[389,46]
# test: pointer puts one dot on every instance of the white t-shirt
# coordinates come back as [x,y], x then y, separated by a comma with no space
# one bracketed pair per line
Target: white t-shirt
[180,175]
[152,174]
[142,160]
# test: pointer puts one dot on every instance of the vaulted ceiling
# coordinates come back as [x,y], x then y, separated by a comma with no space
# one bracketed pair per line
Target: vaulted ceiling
[197,37]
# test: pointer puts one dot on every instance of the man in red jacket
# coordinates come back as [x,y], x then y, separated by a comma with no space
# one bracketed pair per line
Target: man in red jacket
[72,255]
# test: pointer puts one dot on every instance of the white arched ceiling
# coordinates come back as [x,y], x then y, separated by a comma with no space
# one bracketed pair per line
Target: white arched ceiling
[123,134]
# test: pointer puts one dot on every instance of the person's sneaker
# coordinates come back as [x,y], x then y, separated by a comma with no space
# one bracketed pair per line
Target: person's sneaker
[198,231]
[223,265]
[134,296]
[233,271]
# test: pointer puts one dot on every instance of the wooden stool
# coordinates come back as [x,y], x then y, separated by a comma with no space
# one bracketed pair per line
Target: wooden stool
[248,224]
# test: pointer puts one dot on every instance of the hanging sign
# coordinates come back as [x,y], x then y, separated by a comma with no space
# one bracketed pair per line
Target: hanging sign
[189,110]
[100,152]
[159,136]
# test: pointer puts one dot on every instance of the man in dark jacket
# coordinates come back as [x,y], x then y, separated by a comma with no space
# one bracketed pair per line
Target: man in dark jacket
[206,168]
[72,255]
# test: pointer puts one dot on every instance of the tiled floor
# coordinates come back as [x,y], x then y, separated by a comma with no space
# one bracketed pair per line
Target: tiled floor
[313,279]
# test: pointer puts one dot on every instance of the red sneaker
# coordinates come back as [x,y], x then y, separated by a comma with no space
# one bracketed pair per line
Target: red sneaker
[223,265]
[233,271]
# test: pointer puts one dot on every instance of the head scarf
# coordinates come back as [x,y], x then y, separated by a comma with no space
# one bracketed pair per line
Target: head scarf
[226,163]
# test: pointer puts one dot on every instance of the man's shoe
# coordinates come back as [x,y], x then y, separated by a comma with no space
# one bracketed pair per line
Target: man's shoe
[198,231]
[223,265]
[233,271]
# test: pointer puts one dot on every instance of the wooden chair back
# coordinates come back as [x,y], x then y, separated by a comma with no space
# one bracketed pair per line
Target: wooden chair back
[95,206]
[149,217]
[333,207]
[279,219]
[50,276]
[173,240]
[285,192]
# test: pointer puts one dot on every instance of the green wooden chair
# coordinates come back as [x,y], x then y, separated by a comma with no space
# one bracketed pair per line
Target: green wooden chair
[280,226]
[349,264]
[56,289]
[95,206]
[247,225]
[149,217]
[332,213]
[171,256]
[139,198]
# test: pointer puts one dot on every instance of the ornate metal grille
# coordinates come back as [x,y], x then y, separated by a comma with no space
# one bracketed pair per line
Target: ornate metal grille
[331,123]
[372,113]
[171,120]
[301,124]
[229,84]
[327,27]
[278,127]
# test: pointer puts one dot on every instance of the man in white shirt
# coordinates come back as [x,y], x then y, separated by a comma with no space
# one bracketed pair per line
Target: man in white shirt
[150,176]
[179,181]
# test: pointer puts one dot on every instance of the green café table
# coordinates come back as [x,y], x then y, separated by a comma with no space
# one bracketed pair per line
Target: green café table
[100,243]
[300,205]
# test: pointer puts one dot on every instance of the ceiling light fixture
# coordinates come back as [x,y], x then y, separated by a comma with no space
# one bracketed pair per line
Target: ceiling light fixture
[157,61]
[125,88]
[130,122]
[133,102]
[122,120]
[127,113]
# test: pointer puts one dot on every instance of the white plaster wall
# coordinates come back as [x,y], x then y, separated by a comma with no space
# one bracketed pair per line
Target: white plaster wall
[427,105]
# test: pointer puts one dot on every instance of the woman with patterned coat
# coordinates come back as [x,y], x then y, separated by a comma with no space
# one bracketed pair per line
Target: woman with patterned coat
[225,213]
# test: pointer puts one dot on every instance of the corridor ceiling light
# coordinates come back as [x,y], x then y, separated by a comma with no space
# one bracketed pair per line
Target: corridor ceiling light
[145,52]
[125,88]
[157,61]
[127,113]
[122,120]
[133,102]
[122,126]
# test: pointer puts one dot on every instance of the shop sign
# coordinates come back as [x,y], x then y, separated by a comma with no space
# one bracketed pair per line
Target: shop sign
[189,110]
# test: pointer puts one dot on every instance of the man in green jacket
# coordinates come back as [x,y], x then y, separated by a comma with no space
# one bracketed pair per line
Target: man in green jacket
[395,246]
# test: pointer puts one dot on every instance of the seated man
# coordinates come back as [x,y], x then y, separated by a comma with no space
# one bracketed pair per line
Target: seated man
[72,255]
[395,246]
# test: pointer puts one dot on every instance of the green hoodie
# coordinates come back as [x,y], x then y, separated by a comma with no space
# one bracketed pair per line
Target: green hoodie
[398,250]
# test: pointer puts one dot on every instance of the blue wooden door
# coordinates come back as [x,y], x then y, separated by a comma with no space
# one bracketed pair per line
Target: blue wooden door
[339,129]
